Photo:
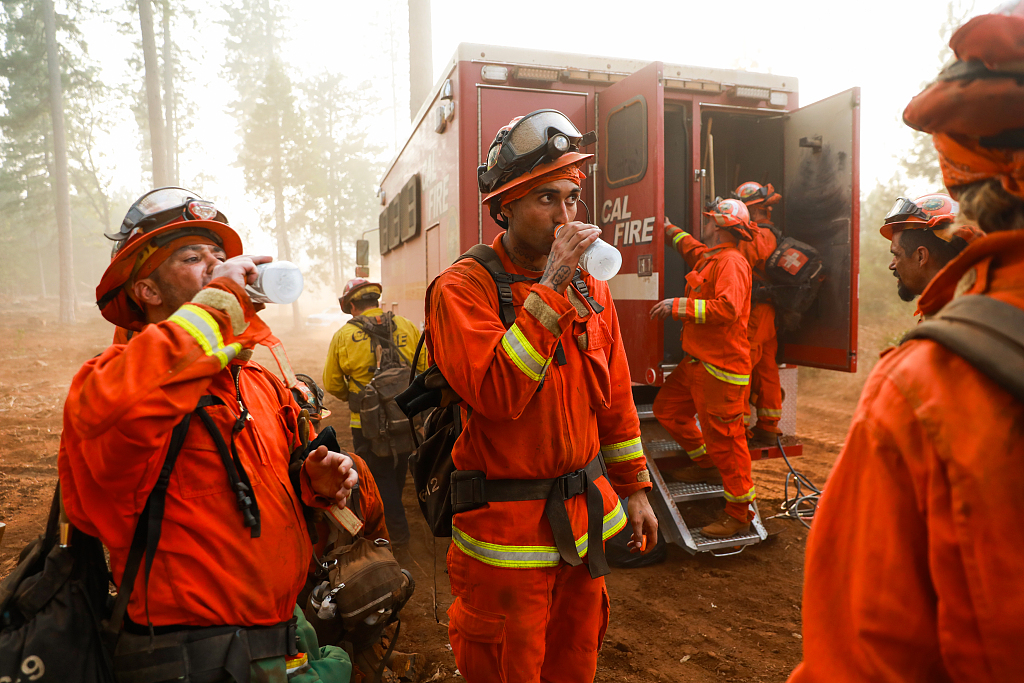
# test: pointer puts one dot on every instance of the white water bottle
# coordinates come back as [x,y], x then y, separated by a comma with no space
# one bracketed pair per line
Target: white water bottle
[278,282]
[601,259]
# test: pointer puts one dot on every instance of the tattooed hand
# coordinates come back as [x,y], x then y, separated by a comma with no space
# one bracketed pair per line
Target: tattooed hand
[570,243]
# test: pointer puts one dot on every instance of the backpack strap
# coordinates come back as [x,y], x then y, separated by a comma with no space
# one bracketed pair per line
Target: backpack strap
[986,332]
[581,287]
[149,525]
[488,258]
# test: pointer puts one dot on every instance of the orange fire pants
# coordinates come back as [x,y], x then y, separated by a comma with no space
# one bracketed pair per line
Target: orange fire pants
[765,387]
[525,625]
[691,391]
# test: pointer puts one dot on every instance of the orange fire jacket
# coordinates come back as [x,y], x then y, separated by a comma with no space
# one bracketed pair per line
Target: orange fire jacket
[913,563]
[522,428]
[717,308]
[118,418]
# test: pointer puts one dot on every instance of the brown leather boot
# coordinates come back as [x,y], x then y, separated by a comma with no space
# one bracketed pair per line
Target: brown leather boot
[696,474]
[761,437]
[726,527]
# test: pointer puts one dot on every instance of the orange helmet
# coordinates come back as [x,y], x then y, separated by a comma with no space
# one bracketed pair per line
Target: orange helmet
[158,223]
[732,215]
[529,147]
[751,193]
[927,212]
[361,287]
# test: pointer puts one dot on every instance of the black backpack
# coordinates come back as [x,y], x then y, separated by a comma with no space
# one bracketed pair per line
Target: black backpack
[382,421]
[431,464]
[795,272]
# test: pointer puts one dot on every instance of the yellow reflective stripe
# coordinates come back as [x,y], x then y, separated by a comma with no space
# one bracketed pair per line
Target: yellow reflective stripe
[204,329]
[675,240]
[530,556]
[618,452]
[745,498]
[522,353]
[699,310]
[741,380]
[356,421]
[768,412]
[699,452]
[512,556]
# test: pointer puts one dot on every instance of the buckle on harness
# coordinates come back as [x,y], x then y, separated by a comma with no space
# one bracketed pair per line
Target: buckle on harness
[467,490]
[572,484]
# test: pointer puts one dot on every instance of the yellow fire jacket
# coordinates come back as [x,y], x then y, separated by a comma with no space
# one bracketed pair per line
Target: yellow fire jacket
[350,361]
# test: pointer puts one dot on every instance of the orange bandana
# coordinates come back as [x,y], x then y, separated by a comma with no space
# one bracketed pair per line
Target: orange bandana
[964,161]
[570,172]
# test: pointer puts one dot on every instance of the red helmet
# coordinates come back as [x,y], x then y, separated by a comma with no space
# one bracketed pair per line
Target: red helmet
[358,286]
[732,215]
[751,193]
[927,212]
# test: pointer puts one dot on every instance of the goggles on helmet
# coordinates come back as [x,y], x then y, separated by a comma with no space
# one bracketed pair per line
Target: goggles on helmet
[543,135]
[905,208]
[161,207]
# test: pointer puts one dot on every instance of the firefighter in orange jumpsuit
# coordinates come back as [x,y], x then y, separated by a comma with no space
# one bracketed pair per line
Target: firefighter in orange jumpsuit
[924,239]
[547,399]
[765,387]
[913,562]
[228,554]
[712,380]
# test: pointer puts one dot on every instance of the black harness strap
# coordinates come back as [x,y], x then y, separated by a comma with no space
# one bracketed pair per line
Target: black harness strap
[237,476]
[581,287]
[489,259]
[471,489]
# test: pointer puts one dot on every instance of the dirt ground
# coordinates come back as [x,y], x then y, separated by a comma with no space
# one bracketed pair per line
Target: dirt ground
[691,618]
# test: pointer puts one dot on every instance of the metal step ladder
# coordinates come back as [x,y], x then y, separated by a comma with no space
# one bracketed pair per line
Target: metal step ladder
[668,494]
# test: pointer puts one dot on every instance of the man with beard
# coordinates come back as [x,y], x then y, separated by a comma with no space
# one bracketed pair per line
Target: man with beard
[924,239]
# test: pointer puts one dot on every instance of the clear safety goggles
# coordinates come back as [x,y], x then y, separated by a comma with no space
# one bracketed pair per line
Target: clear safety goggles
[162,206]
[543,135]
[905,208]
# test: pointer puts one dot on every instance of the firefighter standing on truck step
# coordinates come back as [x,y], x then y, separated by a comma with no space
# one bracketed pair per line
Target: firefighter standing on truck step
[711,381]
[234,547]
[549,404]
[765,387]
[350,365]
[913,564]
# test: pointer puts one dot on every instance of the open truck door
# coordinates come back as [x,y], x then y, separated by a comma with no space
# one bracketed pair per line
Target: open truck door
[821,195]
[631,207]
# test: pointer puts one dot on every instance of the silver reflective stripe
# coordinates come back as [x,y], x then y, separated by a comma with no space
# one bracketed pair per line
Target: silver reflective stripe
[514,556]
[204,329]
[618,452]
[698,452]
[528,556]
[522,353]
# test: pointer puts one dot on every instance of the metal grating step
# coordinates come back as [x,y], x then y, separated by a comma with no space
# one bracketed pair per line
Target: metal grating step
[662,446]
[645,411]
[682,491]
[704,543]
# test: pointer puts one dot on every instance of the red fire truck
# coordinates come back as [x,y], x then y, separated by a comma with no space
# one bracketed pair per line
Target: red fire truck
[670,138]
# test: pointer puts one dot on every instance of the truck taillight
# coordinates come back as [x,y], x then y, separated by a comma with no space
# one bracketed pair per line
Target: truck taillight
[751,93]
[494,74]
[526,73]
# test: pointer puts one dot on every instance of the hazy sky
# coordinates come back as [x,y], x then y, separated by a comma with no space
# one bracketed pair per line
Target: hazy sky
[887,47]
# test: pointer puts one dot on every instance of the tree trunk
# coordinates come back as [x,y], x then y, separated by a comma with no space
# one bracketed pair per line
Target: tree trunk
[157,143]
[171,135]
[62,194]
[336,257]
[421,71]
[284,251]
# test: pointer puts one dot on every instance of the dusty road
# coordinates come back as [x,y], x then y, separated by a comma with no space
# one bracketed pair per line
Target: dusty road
[688,619]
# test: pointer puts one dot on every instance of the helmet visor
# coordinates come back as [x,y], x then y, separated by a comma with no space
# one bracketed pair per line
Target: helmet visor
[903,209]
[533,131]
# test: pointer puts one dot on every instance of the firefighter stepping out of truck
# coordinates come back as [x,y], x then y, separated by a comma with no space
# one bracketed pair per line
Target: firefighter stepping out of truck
[552,437]
[711,381]
[350,365]
[765,387]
